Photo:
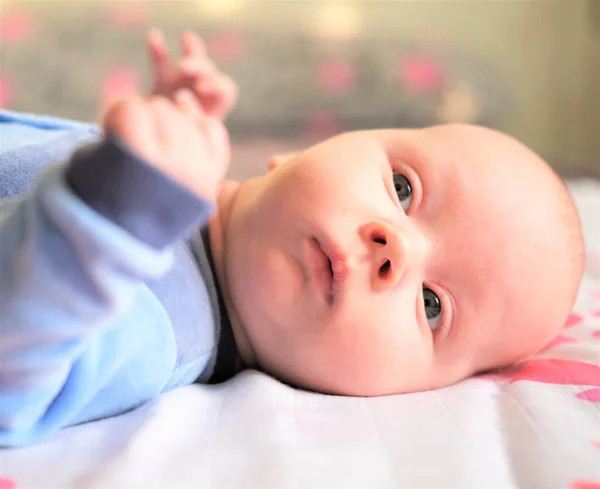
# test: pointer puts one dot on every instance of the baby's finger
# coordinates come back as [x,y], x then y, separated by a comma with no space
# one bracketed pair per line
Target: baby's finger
[218,94]
[188,104]
[162,65]
[229,94]
[196,67]
[192,46]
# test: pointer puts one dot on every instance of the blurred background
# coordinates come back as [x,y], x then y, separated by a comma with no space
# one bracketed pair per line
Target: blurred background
[308,69]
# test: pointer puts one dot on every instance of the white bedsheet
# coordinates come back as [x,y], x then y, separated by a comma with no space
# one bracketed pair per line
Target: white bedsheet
[537,427]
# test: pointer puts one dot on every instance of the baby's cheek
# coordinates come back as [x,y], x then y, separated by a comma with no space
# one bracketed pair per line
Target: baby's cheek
[387,341]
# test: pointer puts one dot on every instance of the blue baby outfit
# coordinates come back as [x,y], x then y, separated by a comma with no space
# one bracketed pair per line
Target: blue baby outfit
[108,294]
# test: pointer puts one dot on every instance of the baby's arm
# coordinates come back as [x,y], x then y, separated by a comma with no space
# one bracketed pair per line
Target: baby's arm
[75,317]
[69,281]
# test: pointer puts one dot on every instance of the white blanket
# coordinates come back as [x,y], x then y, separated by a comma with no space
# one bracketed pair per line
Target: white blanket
[535,427]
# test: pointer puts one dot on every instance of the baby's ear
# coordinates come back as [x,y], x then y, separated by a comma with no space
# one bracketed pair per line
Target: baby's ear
[279,159]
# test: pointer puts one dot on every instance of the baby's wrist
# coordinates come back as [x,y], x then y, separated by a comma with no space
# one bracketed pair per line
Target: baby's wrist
[135,195]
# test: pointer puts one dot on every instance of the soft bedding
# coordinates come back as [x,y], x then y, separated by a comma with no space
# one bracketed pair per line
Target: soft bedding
[534,426]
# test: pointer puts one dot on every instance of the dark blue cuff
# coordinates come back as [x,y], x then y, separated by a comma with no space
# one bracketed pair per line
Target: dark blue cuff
[122,187]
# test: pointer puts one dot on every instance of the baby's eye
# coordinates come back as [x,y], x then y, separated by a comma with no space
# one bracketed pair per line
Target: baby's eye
[433,307]
[403,190]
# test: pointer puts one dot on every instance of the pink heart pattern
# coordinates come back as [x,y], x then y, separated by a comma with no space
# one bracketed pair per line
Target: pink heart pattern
[574,319]
[554,371]
[558,371]
[561,339]
[226,46]
[592,395]
[6,483]
[119,82]
[6,91]
[585,485]
[421,74]
[16,27]
[336,75]
[128,14]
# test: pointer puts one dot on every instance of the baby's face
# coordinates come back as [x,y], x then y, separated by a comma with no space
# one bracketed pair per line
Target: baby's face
[393,261]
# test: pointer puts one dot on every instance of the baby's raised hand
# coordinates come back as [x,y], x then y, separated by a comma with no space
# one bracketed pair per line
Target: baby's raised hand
[215,92]
[174,135]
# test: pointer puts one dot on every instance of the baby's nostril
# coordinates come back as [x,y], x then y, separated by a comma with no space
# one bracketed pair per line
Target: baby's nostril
[379,239]
[384,269]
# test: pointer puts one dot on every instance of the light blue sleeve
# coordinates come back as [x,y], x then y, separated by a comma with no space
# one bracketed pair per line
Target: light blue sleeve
[78,328]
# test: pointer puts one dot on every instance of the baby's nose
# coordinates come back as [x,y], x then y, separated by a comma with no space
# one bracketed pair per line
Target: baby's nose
[390,251]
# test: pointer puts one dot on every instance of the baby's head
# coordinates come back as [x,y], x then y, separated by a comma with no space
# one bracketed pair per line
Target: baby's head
[393,261]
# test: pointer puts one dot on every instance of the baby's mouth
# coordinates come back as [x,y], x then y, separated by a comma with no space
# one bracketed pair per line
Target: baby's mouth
[321,269]
[328,265]
[331,281]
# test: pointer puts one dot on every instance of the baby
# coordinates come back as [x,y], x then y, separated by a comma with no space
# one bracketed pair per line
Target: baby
[377,262]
